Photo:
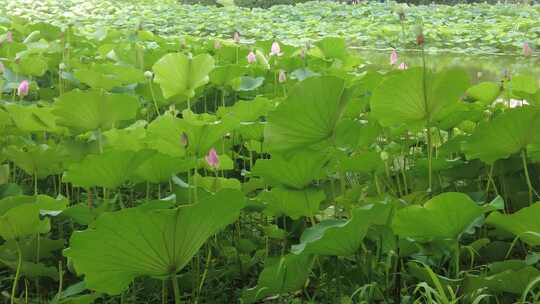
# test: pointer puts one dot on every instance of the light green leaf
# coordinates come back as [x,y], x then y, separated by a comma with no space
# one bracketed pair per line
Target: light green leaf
[155,243]
[179,74]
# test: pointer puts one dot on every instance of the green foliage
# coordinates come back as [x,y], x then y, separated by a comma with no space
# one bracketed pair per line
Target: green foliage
[143,168]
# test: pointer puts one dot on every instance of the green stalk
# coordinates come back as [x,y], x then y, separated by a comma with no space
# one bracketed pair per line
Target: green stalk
[456,260]
[153,97]
[176,289]
[205,272]
[17,273]
[60,279]
[164,295]
[35,184]
[430,160]
[527,177]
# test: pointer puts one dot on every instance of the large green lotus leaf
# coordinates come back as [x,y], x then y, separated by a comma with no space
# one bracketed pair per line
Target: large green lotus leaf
[164,134]
[160,167]
[223,75]
[308,116]
[130,138]
[31,270]
[512,276]
[363,162]
[46,204]
[297,170]
[246,83]
[34,65]
[123,245]
[5,118]
[110,169]
[247,110]
[444,217]
[108,76]
[33,118]
[42,160]
[524,223]
[485,92]
[178,74]
[215,184]
[31,248]
[92,110]
[340,237]
[333,47]
[204,135]
[21,221]
[508,133]
[280,275]
[293,203]
[399,99]
[523,85]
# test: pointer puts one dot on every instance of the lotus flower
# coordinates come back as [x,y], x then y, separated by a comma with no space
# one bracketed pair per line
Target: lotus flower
[251,57]
[23,88]
[403,66]
[9,37]
[275,50]
[282,76]
[212,158]
[527,50]
[393,57]
[236,37]
[217,44]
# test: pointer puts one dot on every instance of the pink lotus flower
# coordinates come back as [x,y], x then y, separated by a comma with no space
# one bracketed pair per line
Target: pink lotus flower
[251,57]
[403,66]
[275,50]
[527,50]
[23,88]
[393,57]
[282,76]
[236,37]
[217,44]
[9,37]
[212,158]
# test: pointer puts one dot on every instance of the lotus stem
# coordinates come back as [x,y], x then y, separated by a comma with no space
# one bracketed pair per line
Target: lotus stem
[527,177]
[153,97]
[17,273]
[430,160]
[176,289]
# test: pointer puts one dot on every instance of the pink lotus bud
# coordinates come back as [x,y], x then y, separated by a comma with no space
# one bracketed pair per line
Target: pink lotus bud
[251,57]
[275,49]
[184,141]
[527,50]
[393,57]
[217,44]
[282,76]
[212,158]
[403,66]
[236,37]
[23,88]
[9,37]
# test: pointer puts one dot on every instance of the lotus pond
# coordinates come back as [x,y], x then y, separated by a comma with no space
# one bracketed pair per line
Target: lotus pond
[139,168]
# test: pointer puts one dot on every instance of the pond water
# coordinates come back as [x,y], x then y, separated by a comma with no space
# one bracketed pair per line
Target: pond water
[489,67]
